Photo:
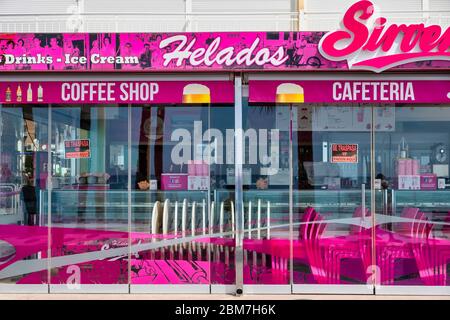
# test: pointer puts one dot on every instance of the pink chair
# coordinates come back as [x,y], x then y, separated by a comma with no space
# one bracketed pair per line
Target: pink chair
[358,213]
[425,253]
[388,253]
[364,240]
[444,254]
[365,245]
[404,228]
[413,234]
[309,214]
[431,254]
[348,250]
[310,232]
[446,227]
[325,255]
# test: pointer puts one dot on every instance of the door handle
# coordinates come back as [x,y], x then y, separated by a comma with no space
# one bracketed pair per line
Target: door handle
[363,203]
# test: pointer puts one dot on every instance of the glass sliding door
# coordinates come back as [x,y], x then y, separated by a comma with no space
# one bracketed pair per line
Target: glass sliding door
[266,179]
[222,202]
[23,174]
[331,198]
[413,206]
[170,197]
[307,198]
[182,202]
[89,200]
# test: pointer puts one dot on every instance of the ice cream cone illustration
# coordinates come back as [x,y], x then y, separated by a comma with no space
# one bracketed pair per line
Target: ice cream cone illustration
[290,93]
[196,93]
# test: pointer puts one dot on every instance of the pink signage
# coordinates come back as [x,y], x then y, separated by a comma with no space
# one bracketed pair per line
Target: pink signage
[172,52]
[149,92]
[367,42]
[339,91]
[176,181]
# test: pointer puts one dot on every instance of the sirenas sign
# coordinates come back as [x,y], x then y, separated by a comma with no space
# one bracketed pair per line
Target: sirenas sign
[367,42]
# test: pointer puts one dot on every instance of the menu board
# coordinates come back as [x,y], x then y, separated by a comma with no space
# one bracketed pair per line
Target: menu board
[344,153]
[77,149]
[339,118]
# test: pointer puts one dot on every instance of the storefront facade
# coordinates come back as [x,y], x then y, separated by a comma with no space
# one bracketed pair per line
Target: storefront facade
[284,162]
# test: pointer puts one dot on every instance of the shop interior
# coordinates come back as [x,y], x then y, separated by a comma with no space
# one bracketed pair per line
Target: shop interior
[112,165]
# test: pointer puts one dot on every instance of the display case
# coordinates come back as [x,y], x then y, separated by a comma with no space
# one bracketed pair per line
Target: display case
[272,206]
[111,206]
[435,204]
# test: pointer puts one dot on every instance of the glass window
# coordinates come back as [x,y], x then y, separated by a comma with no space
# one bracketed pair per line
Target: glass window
[23,175]
[412,167]
[266,179]
[170,195]
[89,202]
[331,194]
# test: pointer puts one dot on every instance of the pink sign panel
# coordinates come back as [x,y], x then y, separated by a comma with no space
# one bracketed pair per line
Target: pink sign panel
[339,91]
[172,52]
[174,181]
[369,41]
[149,92]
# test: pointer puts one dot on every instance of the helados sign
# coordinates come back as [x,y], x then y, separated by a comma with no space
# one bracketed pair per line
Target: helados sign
[367,42]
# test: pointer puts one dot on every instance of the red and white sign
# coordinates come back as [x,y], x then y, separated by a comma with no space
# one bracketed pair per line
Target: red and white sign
[367,42]
[77,149]
[344,153]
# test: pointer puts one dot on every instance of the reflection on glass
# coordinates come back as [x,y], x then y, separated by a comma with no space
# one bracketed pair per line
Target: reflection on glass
[331,194]
[170,182]
[413,246]
[89,202]
[266,195]
[23,175]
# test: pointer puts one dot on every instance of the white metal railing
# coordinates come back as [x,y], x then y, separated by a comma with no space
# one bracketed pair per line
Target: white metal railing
[9,199]
[149,22]
[196,22]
